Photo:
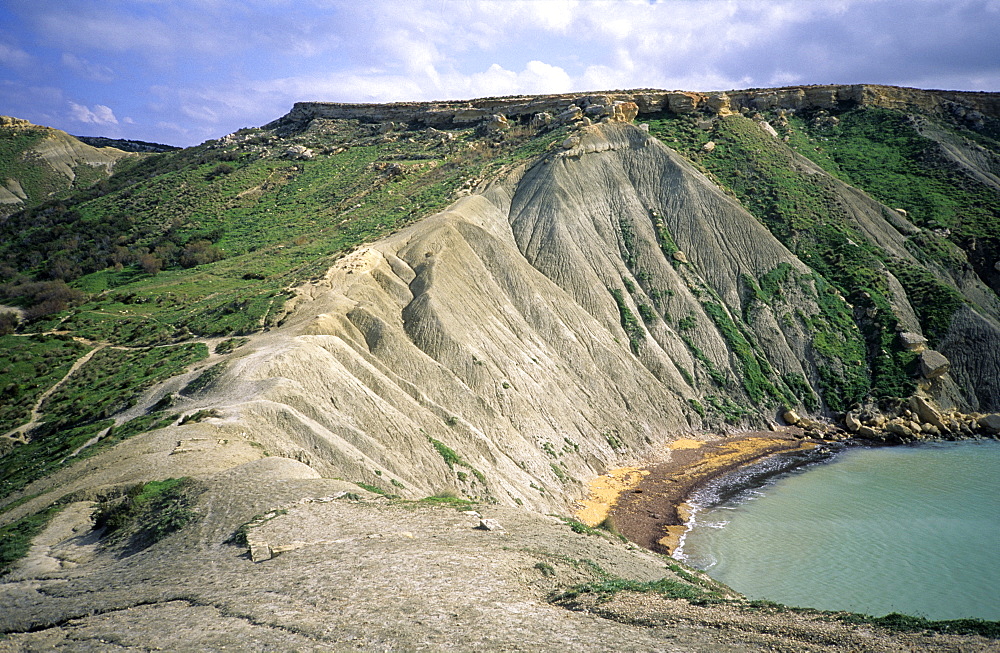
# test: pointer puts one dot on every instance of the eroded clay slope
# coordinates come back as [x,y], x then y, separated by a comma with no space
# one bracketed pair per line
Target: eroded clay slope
[541,330]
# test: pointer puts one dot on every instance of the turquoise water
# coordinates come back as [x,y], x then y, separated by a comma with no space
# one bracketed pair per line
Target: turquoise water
[912,529]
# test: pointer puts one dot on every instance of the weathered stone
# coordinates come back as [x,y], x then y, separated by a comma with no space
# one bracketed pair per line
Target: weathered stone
[571,142]
[299,152]
[869,433]
[766,126]
[624,111]
[719,104]
[933,364]
[927,413]
[683,102]
[851,422]
[541,120]
[571,114]
[899,429]
[791,417]
[913,341]
[990,423]
[259,551]
[497,123]
[490,525]
[680,256]
[709,146]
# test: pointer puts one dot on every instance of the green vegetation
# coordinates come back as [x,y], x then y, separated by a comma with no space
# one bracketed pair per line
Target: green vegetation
[75,422]
[28,367]
[907,624]
[807,213]
[148,513]
[450,457]
[15,537]
[633,329]
[372,488]
[114,379]
[448,499]
[230,344]
[755,369]
[669,588]
[884,153]
[204,380]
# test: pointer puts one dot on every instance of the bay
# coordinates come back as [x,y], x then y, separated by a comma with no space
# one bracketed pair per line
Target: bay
[908,529]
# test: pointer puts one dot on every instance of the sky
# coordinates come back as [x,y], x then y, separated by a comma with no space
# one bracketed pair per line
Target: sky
[184,71]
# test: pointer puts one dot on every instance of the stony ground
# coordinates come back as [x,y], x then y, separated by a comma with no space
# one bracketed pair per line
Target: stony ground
[369,574]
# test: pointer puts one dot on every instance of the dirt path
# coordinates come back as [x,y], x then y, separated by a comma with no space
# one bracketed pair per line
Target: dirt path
[36,410]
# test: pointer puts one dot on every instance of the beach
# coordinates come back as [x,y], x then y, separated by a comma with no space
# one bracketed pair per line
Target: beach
[649,504]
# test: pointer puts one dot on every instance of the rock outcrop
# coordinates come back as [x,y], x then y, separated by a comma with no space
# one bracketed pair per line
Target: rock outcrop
[971,107]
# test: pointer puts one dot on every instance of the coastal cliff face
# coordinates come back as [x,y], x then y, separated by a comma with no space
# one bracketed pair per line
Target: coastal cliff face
[492,301]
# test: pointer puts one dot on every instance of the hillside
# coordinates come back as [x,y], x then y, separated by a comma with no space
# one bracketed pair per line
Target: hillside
[489,302]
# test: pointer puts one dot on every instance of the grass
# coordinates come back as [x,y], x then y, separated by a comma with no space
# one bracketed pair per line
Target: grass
[806,214]
[28,367]
[633,329]
[78,411]
[148,513]
[16,537]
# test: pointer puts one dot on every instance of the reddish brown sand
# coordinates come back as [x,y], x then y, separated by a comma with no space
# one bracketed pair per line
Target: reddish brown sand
[652,511]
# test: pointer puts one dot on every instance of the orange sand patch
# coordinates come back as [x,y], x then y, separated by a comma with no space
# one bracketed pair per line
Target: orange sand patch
[686,443]
[604,491]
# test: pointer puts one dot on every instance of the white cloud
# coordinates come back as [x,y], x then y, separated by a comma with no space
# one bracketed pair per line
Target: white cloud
[14,57]
[99,115]
[86,69]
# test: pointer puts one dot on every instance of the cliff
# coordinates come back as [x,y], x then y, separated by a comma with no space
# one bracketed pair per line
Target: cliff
[971,106]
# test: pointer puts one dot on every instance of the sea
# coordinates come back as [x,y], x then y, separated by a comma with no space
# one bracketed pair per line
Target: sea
[911,529]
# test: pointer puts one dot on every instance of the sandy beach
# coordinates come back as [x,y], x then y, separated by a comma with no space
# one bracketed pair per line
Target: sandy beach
[648,505]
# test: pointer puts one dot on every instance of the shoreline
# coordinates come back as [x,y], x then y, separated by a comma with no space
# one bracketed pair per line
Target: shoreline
[651,505]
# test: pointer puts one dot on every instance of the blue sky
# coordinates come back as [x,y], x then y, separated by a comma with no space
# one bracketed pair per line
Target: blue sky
[184,71]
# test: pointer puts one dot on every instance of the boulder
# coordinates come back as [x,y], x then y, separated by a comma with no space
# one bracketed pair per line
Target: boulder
[624,112]
[901,430]
[990,423]
[719,104]
[766,126]
[709,146]
[869,433]
[851,422]
[925,412]
[259,551]
[497,123]
[489,525]
[541,120]
[571,114]
[933,364]
[570,142]
[791,417]
[913,341]
[680,257]
[299,152]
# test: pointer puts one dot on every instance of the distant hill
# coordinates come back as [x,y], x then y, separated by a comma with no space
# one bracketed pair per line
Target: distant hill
[126,145]
[39,164]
